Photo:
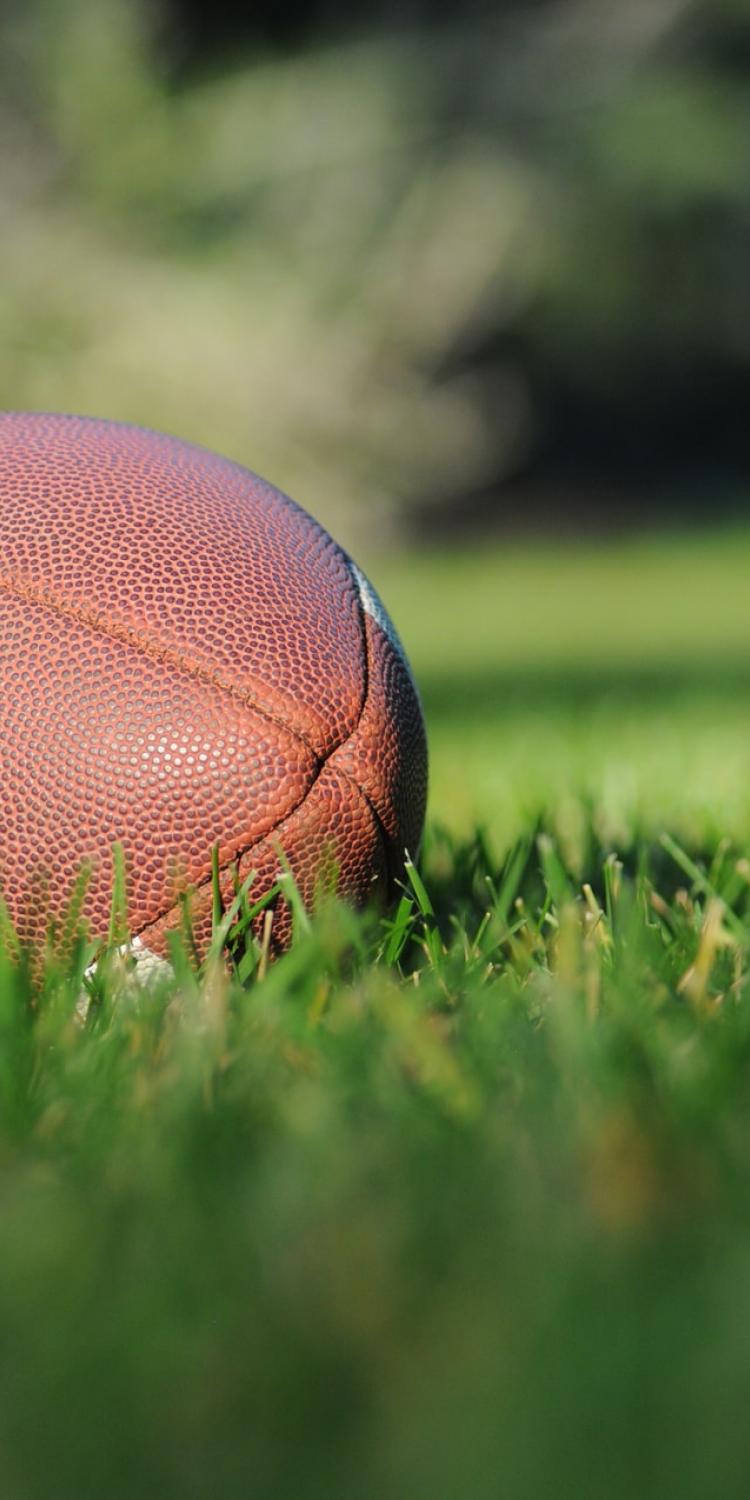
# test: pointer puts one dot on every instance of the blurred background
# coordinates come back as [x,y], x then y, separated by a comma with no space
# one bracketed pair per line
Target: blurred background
[471,284]
[424,266]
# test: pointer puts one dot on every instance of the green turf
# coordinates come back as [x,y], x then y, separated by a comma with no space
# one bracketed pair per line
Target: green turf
[454,1205]
[608,680]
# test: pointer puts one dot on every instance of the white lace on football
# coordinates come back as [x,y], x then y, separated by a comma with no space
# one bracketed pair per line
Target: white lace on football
[374,607]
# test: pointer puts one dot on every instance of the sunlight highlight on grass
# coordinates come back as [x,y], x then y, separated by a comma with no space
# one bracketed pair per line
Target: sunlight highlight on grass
[606,684]
[392,1185]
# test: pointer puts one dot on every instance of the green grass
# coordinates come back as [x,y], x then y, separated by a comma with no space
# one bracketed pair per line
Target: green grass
[605,683]
[454,1204]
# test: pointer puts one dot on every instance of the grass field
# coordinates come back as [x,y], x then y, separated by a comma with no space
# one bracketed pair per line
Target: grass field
[456,1205]
[608,680]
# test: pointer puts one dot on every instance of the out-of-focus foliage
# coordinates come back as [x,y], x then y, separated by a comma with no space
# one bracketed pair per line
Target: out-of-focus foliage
[389,272]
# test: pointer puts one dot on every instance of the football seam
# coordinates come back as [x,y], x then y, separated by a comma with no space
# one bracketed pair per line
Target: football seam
[385,840]
[131,639]
[155,651]
[200,885]
[128,637]
[241,853]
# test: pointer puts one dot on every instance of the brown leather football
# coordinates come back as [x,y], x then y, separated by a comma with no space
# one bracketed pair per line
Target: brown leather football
[187,660]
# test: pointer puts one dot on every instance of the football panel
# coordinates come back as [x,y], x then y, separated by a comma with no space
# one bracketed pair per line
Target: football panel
[192,556]
[99,744]
[331,841]
[387,753]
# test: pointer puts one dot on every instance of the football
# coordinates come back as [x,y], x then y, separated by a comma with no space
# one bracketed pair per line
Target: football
[188,662]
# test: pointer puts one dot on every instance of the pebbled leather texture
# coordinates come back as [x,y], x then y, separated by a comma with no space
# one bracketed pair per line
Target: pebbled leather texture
[186,659]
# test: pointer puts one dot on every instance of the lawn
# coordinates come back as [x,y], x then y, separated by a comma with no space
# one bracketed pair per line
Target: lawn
[453,1205]
[607,680]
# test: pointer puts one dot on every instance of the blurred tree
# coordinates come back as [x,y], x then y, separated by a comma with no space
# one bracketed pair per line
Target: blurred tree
[392,256]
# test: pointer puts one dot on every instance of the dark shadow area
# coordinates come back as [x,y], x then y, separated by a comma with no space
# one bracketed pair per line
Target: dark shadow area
[606,349]
[615,445]
[195,30]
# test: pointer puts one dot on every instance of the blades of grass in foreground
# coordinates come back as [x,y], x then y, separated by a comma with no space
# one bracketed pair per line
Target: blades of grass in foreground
[511,877]
[398,929]
[430,932]
[118,920]
[348,1208]
[560,889]
[703,884]
[288,886]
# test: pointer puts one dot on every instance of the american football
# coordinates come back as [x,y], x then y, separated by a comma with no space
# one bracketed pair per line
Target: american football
[188,662]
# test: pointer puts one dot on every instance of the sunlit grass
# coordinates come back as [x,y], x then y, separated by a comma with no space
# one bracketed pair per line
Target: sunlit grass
[608,682]
[427,1201]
